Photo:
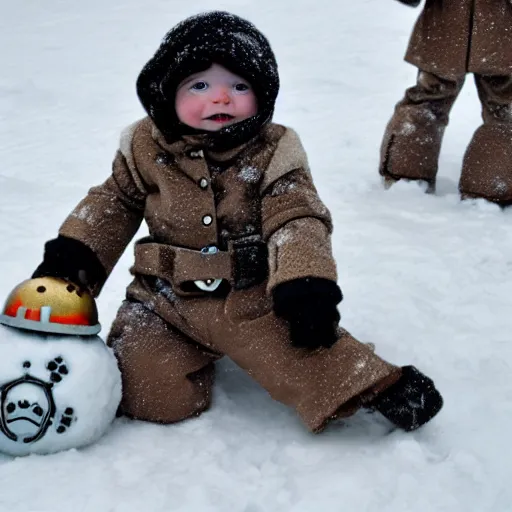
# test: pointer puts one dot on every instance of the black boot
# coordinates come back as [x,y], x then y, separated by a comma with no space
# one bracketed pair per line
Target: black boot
[411,402]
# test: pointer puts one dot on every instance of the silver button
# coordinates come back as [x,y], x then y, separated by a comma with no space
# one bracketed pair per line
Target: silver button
[203,183]
[207,220]
[163,158]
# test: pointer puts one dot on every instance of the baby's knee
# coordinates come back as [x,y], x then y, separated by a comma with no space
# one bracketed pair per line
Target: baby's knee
[165,403]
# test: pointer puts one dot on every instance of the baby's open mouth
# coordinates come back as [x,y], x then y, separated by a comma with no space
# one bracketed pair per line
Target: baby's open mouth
[220,117]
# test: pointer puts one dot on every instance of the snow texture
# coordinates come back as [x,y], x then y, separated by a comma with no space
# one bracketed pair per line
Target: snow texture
[425,277]
[250,174]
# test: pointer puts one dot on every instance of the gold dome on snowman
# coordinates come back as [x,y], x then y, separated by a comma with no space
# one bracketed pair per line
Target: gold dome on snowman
[52,305]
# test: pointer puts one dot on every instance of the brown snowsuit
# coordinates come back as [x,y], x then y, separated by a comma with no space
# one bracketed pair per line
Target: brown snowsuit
[168,333]
[452,38]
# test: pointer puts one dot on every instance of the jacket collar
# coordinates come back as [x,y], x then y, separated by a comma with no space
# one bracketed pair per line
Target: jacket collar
[197,143]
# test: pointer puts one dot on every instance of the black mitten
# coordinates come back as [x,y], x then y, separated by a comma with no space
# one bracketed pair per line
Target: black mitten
[309,305]
[410,402]
[412,3]
[72,260]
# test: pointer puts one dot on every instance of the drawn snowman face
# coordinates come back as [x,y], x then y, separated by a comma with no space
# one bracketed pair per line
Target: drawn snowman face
[27,406]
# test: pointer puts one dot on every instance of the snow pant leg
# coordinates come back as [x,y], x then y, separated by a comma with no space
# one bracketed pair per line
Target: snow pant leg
[495,93]
[412,139]
[165,376]
[487,166]
[321,385]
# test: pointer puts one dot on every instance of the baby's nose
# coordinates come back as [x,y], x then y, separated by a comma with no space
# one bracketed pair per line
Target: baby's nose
[222,96]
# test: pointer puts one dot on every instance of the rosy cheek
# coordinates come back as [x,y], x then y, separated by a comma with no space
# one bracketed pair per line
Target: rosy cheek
[189,109]
[249,105]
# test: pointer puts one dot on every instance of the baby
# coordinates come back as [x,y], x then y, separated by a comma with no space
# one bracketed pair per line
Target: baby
[238,261]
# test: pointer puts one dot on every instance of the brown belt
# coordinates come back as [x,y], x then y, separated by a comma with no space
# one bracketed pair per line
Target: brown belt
[178,265]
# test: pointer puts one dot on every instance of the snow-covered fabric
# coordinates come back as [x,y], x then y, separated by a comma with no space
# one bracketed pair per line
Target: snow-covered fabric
[412,139]
[166,344]
[458,36]
[162,185]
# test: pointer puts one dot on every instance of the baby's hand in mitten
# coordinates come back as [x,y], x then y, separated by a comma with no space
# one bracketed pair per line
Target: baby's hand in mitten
[309,306]
[73,261]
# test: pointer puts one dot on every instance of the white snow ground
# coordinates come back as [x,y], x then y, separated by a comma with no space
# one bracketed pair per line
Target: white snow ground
[426,278]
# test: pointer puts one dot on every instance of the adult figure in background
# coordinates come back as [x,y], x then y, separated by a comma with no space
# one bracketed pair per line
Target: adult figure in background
[450,39]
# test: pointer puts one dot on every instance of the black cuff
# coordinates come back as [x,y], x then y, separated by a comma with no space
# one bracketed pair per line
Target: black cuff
[316,292]
[72,260]
[250,262]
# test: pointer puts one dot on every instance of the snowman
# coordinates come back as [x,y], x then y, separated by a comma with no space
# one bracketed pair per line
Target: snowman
[60,386]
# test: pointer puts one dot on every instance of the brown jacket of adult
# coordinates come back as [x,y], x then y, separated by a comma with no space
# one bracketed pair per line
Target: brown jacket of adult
[454,37]
[169,333]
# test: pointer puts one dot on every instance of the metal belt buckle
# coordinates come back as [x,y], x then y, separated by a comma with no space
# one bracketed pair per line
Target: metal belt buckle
[209,249]
[209,285]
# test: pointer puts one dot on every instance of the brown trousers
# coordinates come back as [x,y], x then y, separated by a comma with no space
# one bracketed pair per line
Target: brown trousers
[412,140]
[166,347]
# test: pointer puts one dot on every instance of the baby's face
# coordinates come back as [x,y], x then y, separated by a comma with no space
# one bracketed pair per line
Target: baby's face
[214,98]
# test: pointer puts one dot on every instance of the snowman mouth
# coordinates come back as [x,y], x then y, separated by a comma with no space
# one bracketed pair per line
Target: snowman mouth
[24,418]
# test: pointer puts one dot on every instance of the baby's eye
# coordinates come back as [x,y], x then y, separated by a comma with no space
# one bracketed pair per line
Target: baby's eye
[241,87]
[200,86]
